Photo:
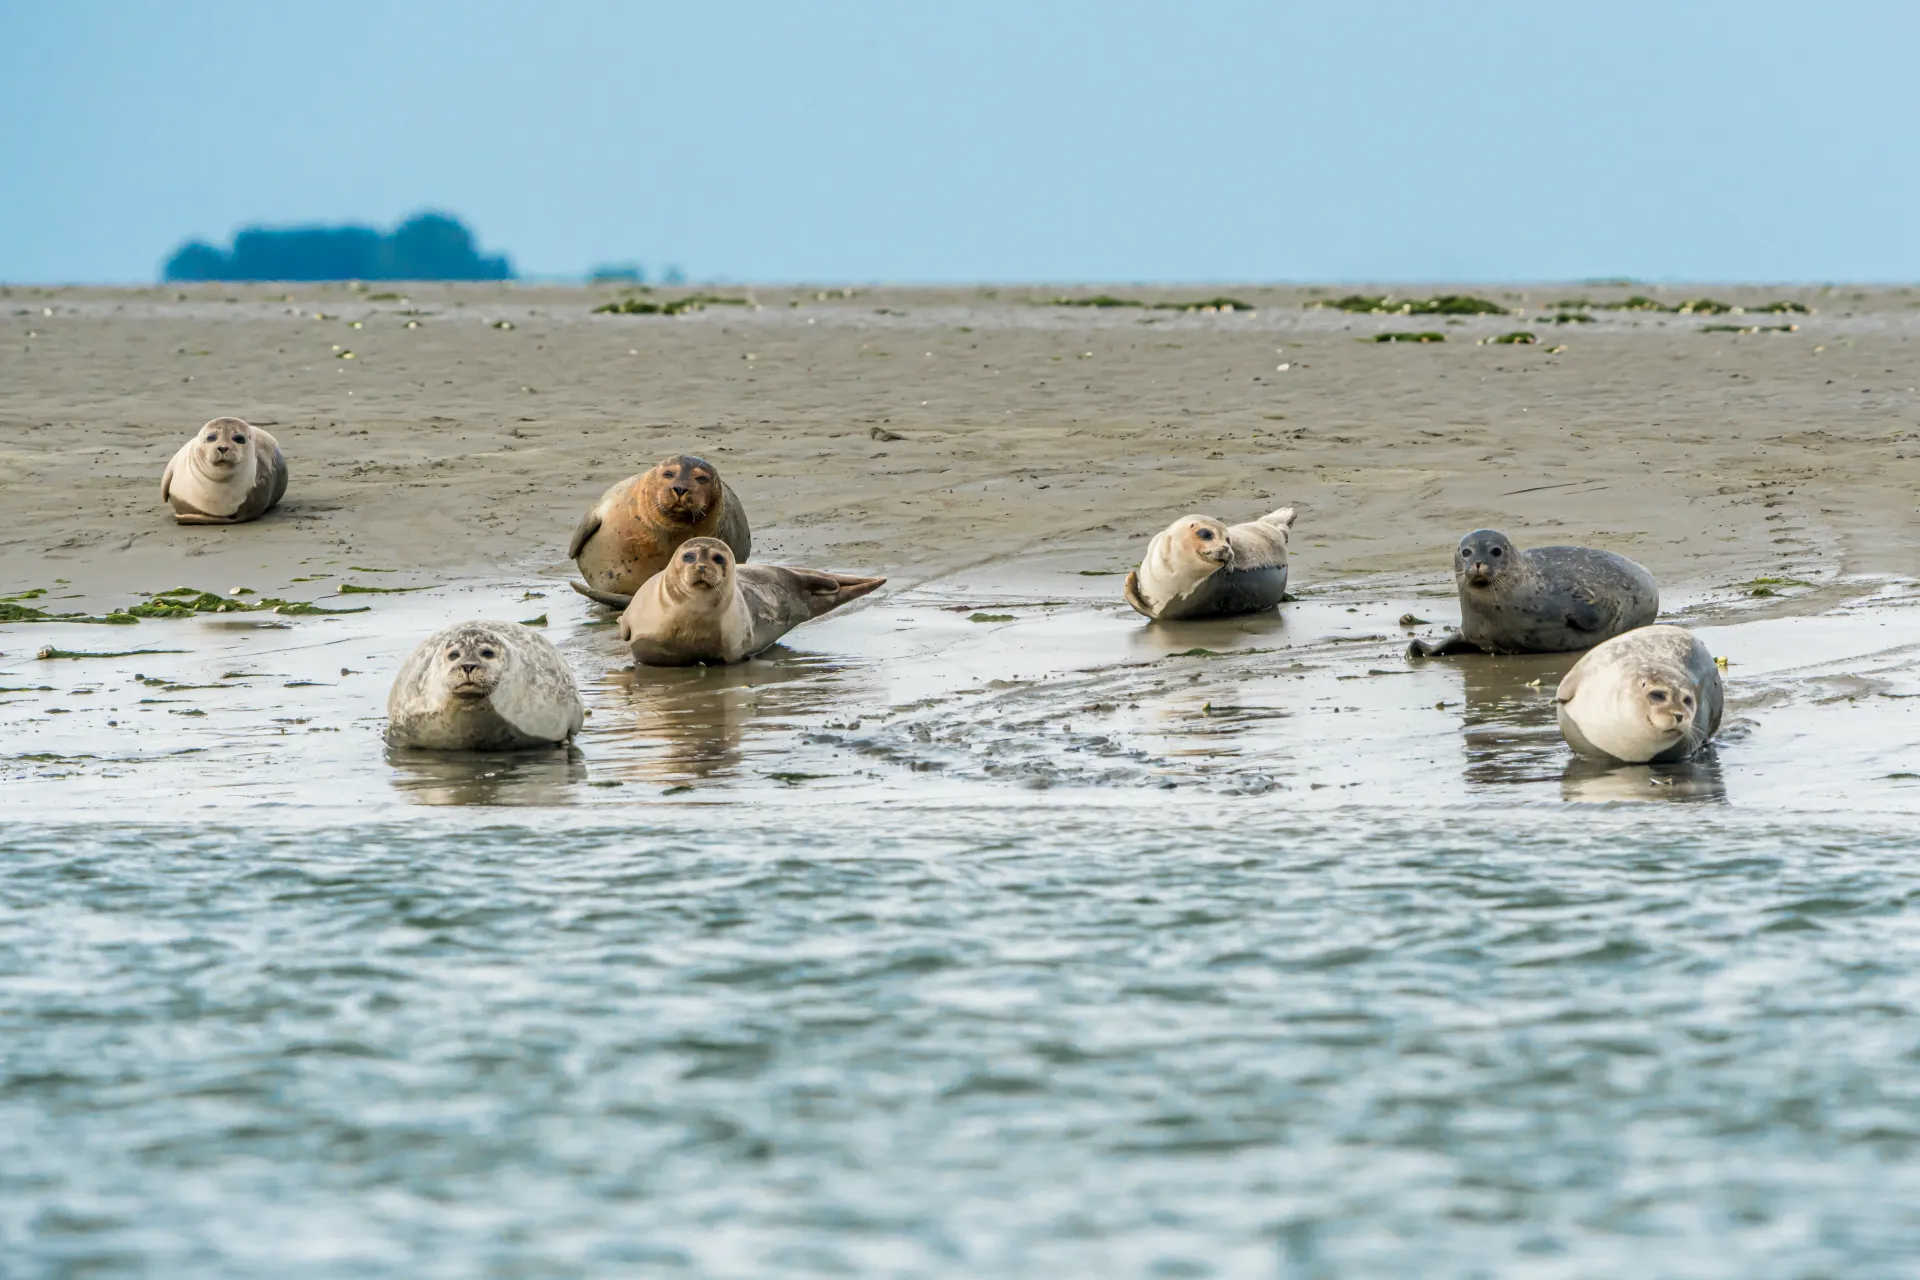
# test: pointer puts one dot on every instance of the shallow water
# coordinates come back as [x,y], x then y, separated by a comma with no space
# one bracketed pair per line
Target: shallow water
[941,947]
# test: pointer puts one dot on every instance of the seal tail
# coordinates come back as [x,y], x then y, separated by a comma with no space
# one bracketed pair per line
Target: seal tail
[828,591]
[611,599]
[1283,518]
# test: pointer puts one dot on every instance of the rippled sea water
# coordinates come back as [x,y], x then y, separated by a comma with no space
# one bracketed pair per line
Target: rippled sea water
[1050,945]
[1168,1037]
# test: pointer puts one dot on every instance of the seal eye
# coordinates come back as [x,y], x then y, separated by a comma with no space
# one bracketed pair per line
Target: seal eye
[1495,553]
[668,473]
[210,439]
[721,561]
[688,557]
[486,653]
[1206,535]
[239,439]
[453,655]
[1466,553]
[1658,695]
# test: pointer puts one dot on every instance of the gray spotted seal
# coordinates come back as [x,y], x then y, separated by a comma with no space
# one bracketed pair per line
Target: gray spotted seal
[705,608]
[628,535]
[1547,600]
[1198,567]
[1650,696]
[483,686]
[229,473]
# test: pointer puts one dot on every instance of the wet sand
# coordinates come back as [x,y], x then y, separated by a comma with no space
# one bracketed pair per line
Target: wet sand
[1037,447]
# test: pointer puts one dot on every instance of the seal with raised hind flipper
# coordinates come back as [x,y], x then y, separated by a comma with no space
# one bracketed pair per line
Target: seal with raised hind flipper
[1650,696]
[483,686]
[703,607]
[229,473]
[1198,567]
[1547,600]
[637,524]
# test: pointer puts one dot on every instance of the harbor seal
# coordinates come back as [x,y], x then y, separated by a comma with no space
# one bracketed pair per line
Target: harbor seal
[483,686]
[1197,567]
[1650,696]
[705,608]
[229,473]
[1547,600]
[629,534]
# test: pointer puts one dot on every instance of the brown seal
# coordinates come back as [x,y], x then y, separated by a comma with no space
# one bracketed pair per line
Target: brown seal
[629,534]
[704,608]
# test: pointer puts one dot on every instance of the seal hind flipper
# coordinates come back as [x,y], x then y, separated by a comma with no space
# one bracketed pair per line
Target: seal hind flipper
[588,526]
[611,599]
[828,591]
[1134,598]
[1583,616]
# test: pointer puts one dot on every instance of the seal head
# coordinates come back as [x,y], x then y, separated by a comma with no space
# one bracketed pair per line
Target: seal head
[1485,556]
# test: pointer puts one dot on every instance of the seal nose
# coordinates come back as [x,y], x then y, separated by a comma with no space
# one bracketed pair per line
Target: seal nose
[680,491]
[468,668]
[219,448]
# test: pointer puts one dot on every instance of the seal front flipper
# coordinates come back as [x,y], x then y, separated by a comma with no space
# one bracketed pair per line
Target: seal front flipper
[611,599]
[588,526]
[166,481]
[1583,616]
[1452,642]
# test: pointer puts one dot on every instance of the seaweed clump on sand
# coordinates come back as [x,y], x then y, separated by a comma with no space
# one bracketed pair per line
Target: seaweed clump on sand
[676,307]
[1749,328]
[1428,336]
[1446,304]
[190,602]
[1104,300]
[11,610]
[1519,337]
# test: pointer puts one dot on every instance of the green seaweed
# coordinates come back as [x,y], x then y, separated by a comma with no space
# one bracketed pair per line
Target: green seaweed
[1780,308]
[1569,317]
[349,589]
[1446,304]
[795,779]
[540,621]
[1519,337]
[300,609]
[50,652]
[679,306]
[1103,300]
[1206,304]
[991,617]
[1097,300]
[1195,652]
[1428,336]
[361,568]
[1749,328]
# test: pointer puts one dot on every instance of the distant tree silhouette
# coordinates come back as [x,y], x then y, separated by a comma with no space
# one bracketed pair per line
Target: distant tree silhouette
[427,246]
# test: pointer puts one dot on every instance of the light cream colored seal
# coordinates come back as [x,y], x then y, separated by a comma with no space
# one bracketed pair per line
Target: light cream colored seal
[629,534]
[705,608]
[483,686]
[229,473]
[1197,567]
[1648,696]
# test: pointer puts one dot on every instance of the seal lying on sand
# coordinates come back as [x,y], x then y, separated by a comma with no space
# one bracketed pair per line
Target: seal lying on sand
[1650,696]
[637,524]
[229,473]
[704,608]
[1547,600]
[1199,568]
[483,686]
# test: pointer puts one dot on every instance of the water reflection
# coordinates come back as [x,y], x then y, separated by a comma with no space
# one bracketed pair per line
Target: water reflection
[677,723]
[539,777]
[1511,732]
[1598,782]
[1157,639]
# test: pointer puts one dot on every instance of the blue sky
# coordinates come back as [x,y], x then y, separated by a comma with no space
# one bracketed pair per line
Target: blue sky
[1101,141]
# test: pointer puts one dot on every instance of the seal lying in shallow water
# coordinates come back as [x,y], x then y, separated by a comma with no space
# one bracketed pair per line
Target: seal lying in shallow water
[1197,567]
[705,608]
[629,534]
[229,473]
[1547,600]
[1650,696]
[483,686]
